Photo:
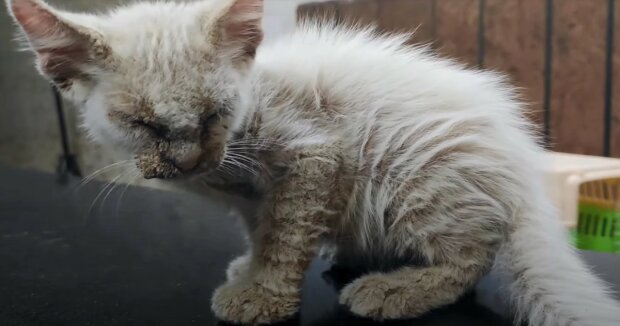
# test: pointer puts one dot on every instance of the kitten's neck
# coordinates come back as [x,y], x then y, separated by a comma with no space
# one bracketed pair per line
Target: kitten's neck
[254,100]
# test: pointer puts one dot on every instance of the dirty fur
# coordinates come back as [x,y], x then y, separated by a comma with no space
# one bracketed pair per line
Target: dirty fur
[409,167]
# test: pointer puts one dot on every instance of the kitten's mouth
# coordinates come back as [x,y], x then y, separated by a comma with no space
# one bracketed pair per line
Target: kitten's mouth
[165,171]
[157,169]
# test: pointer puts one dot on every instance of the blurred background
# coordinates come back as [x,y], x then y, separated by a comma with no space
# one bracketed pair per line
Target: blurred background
[561,52]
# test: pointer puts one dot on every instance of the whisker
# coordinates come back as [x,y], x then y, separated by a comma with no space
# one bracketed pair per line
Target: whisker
[109,184]
[243,157]
[225,168]
[205,184]
[257,139]
[98,172]
[239,165]
[133,179]
[238,155]
[115,185]
[248,163]
[242,148]
[250,160]
[258,142]
[105,168]
[250,145]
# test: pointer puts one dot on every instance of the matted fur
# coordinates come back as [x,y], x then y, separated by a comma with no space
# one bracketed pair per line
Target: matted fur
[409,166]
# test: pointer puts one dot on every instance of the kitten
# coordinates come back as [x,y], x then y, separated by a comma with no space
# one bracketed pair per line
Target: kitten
[421,172]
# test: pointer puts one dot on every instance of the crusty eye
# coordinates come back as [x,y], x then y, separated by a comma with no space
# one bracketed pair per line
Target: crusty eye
[211,117]
[208,120]
[156,129]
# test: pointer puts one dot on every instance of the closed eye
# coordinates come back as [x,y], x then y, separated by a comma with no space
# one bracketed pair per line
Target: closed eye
[208,120]
[157,130]
[211,117]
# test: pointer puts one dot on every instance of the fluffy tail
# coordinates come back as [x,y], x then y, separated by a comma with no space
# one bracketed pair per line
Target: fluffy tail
[548,283]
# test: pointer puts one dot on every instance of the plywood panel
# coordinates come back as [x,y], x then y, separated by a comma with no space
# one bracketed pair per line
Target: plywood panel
[326,11]
[515,45]
[578,76]
[359,13]
[407,16]
[456,25]
[615,127]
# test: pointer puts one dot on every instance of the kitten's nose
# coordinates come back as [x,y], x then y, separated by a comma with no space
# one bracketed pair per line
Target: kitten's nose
[187,161]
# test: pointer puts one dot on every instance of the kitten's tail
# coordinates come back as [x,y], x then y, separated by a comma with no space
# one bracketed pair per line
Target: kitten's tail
[548,283]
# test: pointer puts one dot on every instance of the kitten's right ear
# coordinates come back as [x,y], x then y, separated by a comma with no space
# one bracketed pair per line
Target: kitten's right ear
[239,25]
[65,50]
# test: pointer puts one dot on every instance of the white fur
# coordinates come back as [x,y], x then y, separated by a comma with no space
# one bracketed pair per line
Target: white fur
[387,87]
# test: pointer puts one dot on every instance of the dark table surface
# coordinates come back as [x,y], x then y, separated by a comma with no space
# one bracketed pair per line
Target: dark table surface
[154,258]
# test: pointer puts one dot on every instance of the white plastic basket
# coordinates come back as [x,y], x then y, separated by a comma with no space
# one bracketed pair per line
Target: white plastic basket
[568,172]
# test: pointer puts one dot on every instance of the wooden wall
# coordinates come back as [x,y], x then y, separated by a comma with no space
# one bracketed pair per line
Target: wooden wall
[511,36]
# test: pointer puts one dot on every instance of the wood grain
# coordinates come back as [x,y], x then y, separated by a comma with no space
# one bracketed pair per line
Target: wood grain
[578,76]
[359,13]
[325,11]
[615,126]
[457,29]
[515,45]
[407,16]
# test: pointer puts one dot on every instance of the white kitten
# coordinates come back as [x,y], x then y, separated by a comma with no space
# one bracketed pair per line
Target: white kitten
[415,169]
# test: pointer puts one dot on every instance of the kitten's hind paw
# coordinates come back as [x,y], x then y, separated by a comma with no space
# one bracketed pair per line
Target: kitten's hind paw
[252,304]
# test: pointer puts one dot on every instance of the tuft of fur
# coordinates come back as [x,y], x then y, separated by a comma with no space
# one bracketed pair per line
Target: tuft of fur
[419,171]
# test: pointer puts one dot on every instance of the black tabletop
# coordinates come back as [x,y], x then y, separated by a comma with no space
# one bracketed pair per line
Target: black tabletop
[154,258]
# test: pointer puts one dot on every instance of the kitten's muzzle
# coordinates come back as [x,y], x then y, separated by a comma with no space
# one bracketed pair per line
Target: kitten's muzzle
[163,165]
[188,161]
[166,168]
[155,167]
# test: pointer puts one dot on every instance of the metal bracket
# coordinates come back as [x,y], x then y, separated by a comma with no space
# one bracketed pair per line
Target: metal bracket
[67,162]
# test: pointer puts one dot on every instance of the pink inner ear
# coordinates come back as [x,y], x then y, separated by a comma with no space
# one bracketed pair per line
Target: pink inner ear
[243,24]
[60,48]
[36,20]
[241,7]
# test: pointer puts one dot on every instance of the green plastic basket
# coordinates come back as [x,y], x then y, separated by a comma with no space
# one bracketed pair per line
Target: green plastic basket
[598,225]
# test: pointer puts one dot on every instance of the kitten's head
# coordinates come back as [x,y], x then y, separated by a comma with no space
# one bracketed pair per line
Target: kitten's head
[163,80]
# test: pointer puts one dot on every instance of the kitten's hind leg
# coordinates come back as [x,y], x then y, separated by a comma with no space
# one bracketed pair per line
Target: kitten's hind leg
[453,260]
[455,237]
[407,292]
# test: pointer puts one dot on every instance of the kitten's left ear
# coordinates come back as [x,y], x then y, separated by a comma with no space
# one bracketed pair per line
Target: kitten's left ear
[239,22]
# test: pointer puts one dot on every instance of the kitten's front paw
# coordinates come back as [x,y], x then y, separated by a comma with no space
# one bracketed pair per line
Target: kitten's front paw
[374,296]
[251,303]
